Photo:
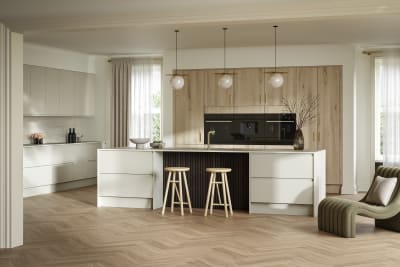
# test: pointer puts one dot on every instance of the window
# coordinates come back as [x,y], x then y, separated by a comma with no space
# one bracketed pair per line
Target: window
[379,110]
[145,104]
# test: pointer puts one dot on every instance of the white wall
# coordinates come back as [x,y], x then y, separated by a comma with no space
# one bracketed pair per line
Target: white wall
[365,134]
[93,128]
[307,55]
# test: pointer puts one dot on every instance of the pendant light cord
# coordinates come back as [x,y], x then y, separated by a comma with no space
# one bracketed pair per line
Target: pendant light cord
[275,26]
[176,52]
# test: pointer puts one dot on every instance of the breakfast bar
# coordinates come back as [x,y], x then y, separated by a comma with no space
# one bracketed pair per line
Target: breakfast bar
[262,180]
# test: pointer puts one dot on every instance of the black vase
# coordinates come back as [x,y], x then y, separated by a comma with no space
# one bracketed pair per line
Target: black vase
[298,143]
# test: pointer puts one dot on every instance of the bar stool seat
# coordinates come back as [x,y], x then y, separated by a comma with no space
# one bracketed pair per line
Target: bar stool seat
[177,188]
[225,190]
[177,169]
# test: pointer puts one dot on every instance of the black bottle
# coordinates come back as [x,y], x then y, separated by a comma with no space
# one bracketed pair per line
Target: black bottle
[73,135]
[69,137]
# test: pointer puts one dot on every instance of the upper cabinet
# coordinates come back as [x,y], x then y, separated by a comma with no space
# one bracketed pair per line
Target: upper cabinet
[249,90]
[216,99]
[55,92]
[189,109]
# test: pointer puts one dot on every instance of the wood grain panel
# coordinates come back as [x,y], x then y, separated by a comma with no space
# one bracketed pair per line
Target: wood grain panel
[189,109]
[330,122]
[307,85]
[249,87]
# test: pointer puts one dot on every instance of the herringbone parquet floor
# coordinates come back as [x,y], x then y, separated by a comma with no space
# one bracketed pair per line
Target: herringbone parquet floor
[66,229]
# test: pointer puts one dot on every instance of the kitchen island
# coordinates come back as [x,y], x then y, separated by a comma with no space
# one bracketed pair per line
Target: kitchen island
[262,180]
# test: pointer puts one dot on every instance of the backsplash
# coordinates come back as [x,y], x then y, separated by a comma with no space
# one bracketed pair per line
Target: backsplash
[56,128]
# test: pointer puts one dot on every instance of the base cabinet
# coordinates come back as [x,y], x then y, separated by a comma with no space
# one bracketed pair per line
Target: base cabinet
[127,178]
[50,168]
[286,183]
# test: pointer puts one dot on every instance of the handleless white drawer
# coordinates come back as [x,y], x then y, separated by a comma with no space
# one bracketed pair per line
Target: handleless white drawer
[125,162]
[291,191]
[125,185]
[281,165]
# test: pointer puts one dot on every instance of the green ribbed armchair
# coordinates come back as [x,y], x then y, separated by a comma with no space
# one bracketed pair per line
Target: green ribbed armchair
[337,215]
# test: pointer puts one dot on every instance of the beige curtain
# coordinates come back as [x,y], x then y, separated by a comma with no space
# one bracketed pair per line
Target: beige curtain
[120,99]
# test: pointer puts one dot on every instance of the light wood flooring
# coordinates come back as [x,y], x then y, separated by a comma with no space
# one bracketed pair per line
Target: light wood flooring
[66,229]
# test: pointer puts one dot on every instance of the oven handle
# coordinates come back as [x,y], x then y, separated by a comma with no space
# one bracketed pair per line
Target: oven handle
[218,121]
[280,121]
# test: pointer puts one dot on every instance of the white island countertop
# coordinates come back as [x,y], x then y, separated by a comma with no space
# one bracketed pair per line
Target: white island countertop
[216,150]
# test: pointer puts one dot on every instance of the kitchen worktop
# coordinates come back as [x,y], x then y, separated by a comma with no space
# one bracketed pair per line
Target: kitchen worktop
[216,150]
[61,144]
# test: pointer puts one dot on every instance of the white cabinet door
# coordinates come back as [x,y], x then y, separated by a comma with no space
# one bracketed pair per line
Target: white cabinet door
[290,191]
[67,93]
[37,91]
[27,90]
[52,78]
[281,165]
[125,185]
[128,162]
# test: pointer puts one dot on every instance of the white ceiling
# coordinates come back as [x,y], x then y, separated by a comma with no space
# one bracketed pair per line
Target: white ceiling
[137,26]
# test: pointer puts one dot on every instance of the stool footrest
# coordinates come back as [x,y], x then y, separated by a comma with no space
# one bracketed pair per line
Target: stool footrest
[218,204]
[180,203]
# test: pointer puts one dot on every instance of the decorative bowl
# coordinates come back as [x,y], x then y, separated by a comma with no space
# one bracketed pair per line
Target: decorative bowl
[157,145]
[139,142]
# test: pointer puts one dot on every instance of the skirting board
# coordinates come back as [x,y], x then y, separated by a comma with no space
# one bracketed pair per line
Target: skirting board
[46,189]
[333,188]
[281,209]
[125,202]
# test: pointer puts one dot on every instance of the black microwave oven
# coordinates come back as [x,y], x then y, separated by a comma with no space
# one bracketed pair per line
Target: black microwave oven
[254,129]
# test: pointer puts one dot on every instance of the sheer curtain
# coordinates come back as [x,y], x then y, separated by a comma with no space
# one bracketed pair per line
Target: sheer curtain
[145,81]
[390,97]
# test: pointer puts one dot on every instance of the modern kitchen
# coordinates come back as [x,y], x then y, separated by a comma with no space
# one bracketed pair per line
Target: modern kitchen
[214,142]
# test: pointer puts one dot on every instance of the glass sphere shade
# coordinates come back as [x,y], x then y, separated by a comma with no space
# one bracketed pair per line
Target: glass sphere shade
[177,82]
[276,80]
[225,81]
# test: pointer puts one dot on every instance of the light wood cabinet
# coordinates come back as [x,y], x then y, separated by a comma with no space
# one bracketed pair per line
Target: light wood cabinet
[216,99]
[330,123]
[189,109]
[251,93]
[248,90]
[307,86]
[55,92]
[288,89]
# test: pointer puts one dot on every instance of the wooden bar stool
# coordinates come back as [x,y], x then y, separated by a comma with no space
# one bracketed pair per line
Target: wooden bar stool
[225,190]
[172,171]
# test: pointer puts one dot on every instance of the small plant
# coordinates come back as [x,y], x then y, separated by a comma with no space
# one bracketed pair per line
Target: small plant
[305,109]
[37,138]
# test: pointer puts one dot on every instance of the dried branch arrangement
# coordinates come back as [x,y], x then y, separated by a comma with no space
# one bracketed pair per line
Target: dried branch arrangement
[304,107]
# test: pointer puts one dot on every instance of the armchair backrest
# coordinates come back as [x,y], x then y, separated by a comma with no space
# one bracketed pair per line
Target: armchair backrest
[388,172]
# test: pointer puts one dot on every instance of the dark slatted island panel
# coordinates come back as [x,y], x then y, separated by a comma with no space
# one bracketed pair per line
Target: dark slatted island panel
[198,178]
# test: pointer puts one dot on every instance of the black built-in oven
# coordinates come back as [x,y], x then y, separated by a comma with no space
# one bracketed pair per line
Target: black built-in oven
[254,129]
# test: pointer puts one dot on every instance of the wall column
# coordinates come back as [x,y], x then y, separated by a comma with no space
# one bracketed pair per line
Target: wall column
[11,130]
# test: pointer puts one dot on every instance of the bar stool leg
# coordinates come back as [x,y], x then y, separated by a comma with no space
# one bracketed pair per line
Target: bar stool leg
[213,193]
[173,191]
[224,193]
[166,193]
[219,194]
[187,192]
[180,193]
[208,195]
[229,194]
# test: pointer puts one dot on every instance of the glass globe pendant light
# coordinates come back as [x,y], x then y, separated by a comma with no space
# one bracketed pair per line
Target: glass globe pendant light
[276,80]
[177,81]
[226,80]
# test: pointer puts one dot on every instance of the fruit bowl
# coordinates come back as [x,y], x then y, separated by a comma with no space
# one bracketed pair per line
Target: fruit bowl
[139,142]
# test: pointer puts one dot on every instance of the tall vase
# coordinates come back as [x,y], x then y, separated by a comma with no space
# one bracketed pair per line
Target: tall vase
[298,143]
